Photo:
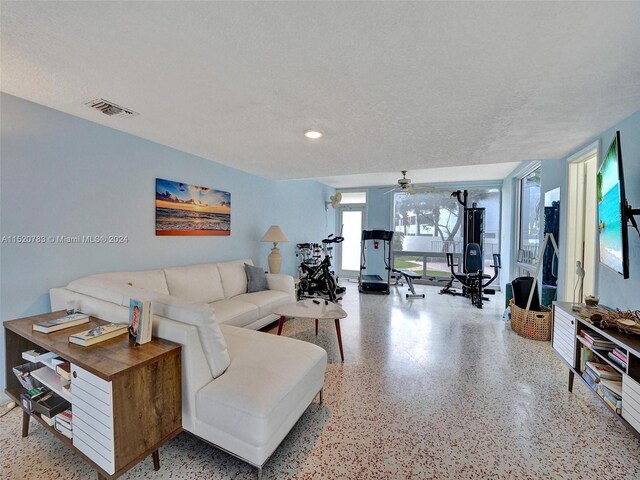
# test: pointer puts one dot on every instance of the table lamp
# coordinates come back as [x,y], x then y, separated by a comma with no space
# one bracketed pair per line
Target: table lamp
[275,235]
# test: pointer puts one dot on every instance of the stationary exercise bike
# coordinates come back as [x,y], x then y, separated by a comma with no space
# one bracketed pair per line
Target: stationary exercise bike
[319,280]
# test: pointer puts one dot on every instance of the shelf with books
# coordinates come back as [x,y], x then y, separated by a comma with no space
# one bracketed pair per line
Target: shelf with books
[598,353]
[129,379]
[609,408]
[606,360]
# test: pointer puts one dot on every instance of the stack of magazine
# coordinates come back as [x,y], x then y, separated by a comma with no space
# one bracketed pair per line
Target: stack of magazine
[606,382]
[63,423]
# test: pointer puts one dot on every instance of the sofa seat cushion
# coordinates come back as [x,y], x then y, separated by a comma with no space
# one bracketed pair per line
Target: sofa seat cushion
[198,283]
[266,300]
[268,376]
[235,312]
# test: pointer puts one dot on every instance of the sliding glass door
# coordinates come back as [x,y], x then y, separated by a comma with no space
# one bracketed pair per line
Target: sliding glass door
[351,220]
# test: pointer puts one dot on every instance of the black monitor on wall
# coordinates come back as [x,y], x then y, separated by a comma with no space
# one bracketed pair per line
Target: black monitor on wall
[613,212]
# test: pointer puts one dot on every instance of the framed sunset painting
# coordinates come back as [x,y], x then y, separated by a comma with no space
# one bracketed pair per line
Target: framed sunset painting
[183,209]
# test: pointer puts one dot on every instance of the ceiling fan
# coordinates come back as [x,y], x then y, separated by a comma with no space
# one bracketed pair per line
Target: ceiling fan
[405,185]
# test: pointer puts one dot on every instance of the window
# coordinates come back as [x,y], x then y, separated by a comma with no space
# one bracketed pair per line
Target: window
[429,224]
[349,198]
[529,217]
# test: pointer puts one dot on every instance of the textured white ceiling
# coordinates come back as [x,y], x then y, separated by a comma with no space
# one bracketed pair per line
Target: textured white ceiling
[462,173]
[411,85]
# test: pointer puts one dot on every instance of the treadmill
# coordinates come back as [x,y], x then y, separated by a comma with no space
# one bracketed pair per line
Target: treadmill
[375,283]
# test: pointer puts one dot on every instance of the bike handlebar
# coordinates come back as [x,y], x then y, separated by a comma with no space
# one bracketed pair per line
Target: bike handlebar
[333,240]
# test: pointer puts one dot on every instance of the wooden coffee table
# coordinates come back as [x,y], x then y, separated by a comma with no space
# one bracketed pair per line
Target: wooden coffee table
[322,310]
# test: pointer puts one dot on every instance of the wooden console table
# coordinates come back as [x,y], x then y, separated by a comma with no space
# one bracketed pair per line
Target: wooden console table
[567,325]
[126,400]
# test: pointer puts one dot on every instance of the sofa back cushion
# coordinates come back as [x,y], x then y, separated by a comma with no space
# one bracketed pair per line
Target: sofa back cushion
[200,315]
[153,280]
[234,277]
[198,283]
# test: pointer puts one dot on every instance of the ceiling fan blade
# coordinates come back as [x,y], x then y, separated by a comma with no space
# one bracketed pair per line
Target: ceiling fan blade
[391,190]
[424,187]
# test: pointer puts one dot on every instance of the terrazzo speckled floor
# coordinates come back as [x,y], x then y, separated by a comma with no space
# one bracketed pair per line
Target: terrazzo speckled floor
[429,389]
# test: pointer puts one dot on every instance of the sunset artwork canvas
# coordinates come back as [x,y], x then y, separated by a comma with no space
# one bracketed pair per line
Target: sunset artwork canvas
[183,209]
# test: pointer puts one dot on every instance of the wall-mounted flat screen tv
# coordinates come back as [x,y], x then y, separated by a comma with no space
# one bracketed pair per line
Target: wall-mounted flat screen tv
[612,219]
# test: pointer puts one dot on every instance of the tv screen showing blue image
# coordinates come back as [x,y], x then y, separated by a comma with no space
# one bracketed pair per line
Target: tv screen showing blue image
[612,222]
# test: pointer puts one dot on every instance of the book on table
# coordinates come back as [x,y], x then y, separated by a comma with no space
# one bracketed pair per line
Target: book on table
[56,324]
[139,321]
[98,334]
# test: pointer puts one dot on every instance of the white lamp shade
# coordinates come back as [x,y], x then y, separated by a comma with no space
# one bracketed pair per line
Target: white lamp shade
[275,235]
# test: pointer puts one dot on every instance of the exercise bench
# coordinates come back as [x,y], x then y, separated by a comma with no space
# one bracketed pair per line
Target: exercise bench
[409,277]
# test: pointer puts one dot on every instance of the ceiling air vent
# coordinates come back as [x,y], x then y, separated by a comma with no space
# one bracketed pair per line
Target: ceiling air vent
[110,108]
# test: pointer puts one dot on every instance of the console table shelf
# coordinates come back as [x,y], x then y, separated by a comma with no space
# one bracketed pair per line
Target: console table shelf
[126,400]
[567,343]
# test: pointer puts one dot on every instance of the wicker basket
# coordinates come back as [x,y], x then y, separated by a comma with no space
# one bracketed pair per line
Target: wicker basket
[530,324]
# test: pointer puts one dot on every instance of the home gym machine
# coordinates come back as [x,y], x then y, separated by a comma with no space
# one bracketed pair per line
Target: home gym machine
[473,279]
[375,283]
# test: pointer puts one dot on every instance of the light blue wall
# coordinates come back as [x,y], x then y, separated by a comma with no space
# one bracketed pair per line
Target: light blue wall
[612,288]
[62,175]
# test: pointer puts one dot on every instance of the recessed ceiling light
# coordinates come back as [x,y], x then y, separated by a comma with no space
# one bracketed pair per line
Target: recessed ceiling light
[313,134]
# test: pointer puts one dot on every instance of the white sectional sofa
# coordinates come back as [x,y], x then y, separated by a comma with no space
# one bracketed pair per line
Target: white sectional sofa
[242,390]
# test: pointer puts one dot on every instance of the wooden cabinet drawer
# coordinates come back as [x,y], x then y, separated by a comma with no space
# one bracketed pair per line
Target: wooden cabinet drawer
[562,321]
[564,336]
[92,404]
[95,381]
